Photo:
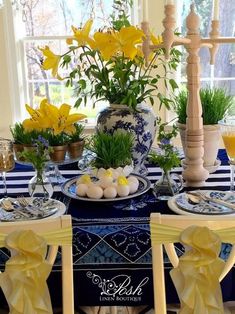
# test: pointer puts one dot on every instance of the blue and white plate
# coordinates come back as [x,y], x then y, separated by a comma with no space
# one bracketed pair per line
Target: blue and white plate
[181,204]
[69,189]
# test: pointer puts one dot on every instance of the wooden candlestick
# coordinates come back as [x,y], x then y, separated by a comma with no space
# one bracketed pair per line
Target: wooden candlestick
[194,174]
[214,34]
[146,43]
[168,35]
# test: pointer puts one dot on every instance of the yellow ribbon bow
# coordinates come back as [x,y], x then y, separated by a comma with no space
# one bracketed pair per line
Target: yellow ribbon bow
[197,276]
[24,279]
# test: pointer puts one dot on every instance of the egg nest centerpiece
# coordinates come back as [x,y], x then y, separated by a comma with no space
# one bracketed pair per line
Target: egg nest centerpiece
[111,168]
[109,184]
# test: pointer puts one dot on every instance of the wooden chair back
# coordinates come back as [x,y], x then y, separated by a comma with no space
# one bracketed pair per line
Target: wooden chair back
[50,225]
[181,221]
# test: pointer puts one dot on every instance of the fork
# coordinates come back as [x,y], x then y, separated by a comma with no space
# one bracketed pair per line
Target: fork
[22,201]
[10,207]
[218,201]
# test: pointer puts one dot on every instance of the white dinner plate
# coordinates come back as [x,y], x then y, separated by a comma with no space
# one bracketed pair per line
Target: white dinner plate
[69,189]
[181,205]
[49,208]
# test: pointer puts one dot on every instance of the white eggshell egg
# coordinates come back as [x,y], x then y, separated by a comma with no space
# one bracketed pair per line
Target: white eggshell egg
[123,190]
[127,170]
[94,191]
[81,189]
[110,192]
[133,179]
[114,184]
[105,181]
[100,172]
[133,187]
[119,171]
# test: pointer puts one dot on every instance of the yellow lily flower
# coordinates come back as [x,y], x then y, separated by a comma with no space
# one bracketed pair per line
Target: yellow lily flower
[51,62]
[127,39]
[156,40]
[107,44]
[39,119]
[82,35]
[61,120]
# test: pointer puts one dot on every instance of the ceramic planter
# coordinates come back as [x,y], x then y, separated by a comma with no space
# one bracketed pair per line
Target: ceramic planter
[75,149]
[18,148]
[211,145]
[59,152]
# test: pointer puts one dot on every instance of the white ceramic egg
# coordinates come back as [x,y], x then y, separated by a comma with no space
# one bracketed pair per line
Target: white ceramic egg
[133,179]
[81,189]
[123,190]
[105,181]
[100,172]
[133,187]
[94,191]
[110,192]
[127,170]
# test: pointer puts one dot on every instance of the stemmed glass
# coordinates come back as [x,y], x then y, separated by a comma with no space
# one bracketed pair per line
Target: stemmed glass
[7,161]
[227,127]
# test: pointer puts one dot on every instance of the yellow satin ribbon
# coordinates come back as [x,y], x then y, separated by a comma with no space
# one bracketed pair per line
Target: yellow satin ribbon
[197,276]
[24,279]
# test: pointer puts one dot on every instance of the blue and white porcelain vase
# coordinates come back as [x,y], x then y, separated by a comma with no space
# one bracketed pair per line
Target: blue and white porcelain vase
[142,123]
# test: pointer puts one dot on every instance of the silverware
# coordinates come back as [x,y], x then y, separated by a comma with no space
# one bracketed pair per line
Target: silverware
[200,196]
[7,205]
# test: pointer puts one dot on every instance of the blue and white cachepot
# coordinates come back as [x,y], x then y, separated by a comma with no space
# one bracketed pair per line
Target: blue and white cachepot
[142,123]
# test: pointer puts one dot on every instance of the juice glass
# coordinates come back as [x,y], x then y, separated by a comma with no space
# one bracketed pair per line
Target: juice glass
[227,127]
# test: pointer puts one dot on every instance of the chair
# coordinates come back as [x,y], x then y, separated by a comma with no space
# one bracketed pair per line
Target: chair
[166,230]
[52,233]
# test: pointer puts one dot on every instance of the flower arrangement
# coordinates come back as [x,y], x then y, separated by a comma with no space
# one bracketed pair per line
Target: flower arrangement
[39,155]
[55,124]
[168,156]
[110,64]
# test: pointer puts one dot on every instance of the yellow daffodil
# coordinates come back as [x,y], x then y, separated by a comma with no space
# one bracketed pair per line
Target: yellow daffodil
[51,62]
[39,119]
[61,120]
[82,35]
[128,38]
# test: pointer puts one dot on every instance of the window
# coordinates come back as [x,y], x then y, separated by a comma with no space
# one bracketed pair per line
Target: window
[222,74]
[48,22]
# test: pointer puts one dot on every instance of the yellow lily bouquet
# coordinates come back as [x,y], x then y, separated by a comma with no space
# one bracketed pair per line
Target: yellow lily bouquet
[56,125]
[110,65]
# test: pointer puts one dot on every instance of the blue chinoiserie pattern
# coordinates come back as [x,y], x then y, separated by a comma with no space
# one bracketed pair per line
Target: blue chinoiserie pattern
[142,123]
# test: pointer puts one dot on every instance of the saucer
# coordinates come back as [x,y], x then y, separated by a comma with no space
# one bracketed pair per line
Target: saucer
[211,169]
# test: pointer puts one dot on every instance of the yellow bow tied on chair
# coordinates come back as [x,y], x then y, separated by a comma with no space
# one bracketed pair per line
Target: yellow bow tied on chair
[24,279]
[197,276]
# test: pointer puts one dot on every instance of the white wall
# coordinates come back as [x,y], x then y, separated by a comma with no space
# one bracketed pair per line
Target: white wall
[5,99]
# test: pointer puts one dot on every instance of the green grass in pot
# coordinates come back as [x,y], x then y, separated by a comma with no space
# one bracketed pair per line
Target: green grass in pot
[60,139]
[112,151]
[215,104]
[17,132]
[77,136]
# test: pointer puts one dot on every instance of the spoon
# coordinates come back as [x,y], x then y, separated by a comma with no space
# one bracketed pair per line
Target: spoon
[196,199]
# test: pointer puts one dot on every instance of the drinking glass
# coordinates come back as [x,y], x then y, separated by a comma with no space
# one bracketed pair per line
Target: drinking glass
[227,127]
[7,161]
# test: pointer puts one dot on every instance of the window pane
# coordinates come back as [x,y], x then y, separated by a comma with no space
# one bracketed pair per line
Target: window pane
[55,17]
[224,67]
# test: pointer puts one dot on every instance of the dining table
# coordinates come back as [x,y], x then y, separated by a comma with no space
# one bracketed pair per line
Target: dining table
[111,241]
